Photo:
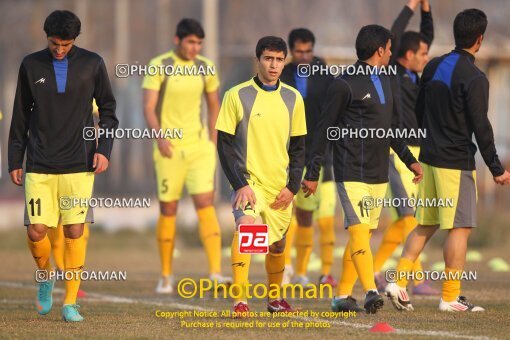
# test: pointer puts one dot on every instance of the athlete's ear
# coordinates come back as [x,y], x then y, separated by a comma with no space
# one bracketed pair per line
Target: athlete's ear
[380,52]
[410,54]
[480,39]
[177,41]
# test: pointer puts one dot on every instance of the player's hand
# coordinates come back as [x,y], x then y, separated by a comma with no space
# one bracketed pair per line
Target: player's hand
[165,147]
[244,196]
[503,179]
[100,163]
[309,187]
[412,4]
[417,171]
[214,138]
[17,176]
[425,5]
[283,200]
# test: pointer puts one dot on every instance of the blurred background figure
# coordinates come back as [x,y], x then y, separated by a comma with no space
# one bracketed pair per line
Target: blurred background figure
[321,206]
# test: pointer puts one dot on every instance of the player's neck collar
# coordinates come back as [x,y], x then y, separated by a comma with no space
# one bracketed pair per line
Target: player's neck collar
[179,58]
[464,53]
[72,51]
[266,88]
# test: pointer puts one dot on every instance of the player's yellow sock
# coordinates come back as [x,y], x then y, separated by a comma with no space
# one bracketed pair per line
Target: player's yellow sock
[41,251]
[451,287]
[165,234]
[327,242]
[275,266]
[289,240]
[56,236]
[349,274]
[404,266]
[304,246]
[391,239]
[417,268]
[240,270]
[74,259]
[410,223]
[86,234]
[210,235]
[361,254]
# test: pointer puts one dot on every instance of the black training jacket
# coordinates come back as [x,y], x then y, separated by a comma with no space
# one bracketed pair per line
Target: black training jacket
[452,106]
[353,103]
[49,125]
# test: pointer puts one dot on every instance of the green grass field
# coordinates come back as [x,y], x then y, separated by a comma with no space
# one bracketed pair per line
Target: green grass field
[128,308]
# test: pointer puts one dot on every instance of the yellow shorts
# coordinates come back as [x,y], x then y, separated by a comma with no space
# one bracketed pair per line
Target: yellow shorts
[327,200]
[278,221]
[357,200]
[48,198]
[401,183]
[454,195]
[191,165]
[312,202]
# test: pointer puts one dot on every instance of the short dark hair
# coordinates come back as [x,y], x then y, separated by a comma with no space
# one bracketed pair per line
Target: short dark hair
[369,39]
[411,41]
[187,27]
[468,26]
[62,24]
[270,43]
[301,34]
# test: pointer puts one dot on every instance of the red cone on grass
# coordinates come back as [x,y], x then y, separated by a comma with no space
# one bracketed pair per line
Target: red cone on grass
[382,327]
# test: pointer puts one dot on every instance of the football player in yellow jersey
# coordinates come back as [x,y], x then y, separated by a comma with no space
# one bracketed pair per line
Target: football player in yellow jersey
[172,102]
[261,145]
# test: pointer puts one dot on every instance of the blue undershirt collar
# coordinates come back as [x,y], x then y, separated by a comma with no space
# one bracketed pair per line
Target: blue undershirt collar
[60,68]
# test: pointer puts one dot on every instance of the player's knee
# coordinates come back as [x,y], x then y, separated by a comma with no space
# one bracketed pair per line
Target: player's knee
[304,218]
[277,247]
[35,233]
[73,231]
[202,201]
[461,232]
[168,208]
[467,231]
[244,220]
[276,250]
[425,230]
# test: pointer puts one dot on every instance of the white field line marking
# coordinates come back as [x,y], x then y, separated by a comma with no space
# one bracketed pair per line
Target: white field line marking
[110,298]
[120,299]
